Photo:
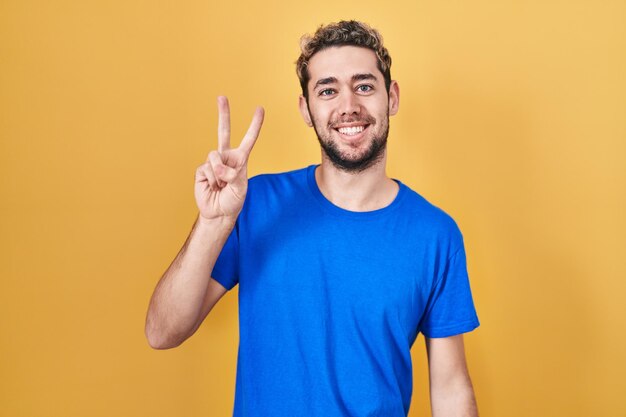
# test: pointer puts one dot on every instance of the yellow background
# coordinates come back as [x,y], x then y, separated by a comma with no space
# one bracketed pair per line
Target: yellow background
[512,119]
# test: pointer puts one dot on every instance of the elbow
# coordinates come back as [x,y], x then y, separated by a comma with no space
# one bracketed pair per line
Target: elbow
[158,339]
[156,342]
[162,334]
[159,342]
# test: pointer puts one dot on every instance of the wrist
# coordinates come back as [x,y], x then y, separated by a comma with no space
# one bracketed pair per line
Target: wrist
[225,223]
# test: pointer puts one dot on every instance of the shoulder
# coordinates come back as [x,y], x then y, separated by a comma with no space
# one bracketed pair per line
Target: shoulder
[432,219]
[277,188]
[280,179]
[273,196]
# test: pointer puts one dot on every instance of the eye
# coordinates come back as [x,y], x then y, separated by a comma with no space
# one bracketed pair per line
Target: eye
[326,92]
[364,88]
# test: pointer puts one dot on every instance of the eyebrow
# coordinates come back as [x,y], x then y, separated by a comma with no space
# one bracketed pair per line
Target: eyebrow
[362,77]
[355,77]
[325,81]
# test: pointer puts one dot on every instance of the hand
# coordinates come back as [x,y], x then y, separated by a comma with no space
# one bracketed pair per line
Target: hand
[222,181]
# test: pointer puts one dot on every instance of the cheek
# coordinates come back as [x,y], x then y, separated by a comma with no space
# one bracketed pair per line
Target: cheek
[320,117]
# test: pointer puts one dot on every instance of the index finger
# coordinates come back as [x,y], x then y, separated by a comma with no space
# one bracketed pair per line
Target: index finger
[223,124]
[253,131]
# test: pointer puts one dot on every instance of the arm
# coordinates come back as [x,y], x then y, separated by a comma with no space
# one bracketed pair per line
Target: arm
[186,293]
[451,391]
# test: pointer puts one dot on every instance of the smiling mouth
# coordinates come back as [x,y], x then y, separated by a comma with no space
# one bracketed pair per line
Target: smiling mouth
[351,130]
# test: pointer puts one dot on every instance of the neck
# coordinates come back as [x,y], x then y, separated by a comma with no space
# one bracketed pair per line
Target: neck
[368,190]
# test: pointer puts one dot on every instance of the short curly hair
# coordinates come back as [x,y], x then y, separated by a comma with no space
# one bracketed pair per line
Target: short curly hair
[342,33]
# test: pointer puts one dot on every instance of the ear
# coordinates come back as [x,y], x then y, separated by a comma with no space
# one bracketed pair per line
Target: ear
[304,111]
[394,97]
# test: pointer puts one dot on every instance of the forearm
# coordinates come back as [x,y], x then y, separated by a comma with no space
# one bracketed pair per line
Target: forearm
[176,303]
[453,399]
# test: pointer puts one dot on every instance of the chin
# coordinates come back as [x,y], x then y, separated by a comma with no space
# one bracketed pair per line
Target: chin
[369,143]
[355,163]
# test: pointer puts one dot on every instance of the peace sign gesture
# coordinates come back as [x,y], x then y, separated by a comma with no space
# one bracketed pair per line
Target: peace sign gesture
[222,181]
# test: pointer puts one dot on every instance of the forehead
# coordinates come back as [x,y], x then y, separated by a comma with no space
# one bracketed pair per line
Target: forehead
[342,62]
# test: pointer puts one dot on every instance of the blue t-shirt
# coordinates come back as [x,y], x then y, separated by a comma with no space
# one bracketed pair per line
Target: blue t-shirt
[331,300]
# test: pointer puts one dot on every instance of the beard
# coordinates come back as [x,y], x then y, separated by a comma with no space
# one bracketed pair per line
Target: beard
[350,162]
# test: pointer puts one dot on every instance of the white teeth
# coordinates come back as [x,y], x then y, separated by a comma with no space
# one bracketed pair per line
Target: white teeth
[351,130]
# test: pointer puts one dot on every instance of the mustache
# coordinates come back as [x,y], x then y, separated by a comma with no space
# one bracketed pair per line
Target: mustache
[367,119]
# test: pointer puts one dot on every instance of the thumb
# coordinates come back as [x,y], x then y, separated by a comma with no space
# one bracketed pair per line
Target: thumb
[225,173]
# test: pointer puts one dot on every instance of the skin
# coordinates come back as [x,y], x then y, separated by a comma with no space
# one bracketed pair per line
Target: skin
[184,295]
[339,95]
[346,89]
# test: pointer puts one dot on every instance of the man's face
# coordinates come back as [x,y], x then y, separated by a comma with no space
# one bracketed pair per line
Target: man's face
[348,106]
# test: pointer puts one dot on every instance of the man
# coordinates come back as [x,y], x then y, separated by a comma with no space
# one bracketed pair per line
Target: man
[339,267]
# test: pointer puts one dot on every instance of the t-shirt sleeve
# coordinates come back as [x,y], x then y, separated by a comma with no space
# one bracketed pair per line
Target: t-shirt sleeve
[226,269]
[450,309]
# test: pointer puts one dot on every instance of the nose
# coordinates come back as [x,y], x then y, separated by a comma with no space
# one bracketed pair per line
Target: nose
[349,104]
